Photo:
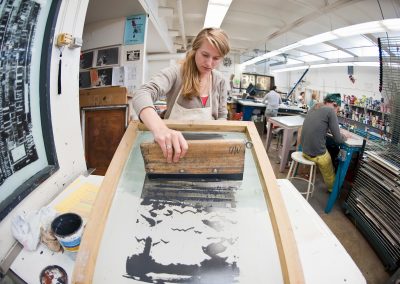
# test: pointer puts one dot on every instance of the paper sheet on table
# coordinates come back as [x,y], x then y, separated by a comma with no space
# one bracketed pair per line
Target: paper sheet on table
[80,201]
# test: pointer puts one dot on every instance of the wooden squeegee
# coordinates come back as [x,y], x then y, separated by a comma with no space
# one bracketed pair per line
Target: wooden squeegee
[205,159]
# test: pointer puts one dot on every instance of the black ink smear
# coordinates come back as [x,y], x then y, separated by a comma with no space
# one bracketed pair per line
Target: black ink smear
[182,230]
[151,222]
[210,271]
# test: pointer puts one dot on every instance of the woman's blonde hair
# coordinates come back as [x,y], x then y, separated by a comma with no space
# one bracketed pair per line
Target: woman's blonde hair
[190,74]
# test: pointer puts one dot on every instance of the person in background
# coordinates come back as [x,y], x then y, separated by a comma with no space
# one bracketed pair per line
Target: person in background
[301,98]
[231,82]
[273,100]
[313,100]
[193,91]
[320,120]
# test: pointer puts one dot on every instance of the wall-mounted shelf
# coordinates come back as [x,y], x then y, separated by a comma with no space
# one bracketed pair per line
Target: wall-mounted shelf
[360,127]
[368,109]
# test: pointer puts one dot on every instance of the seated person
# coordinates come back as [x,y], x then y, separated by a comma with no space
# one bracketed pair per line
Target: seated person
[319,120]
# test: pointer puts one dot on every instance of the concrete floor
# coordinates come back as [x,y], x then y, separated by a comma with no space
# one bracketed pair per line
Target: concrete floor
[343,228]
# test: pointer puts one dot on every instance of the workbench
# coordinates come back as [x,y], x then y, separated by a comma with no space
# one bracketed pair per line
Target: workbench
[315,242]
[348,148]
[248,108]
[78,197]
[289,124]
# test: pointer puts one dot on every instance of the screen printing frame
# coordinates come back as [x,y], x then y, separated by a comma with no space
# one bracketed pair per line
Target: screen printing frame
[285,241]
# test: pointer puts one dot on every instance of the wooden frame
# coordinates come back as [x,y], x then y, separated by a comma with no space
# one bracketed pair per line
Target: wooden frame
[283,232]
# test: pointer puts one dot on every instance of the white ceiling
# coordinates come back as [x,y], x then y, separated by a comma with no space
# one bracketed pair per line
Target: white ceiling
[257,26]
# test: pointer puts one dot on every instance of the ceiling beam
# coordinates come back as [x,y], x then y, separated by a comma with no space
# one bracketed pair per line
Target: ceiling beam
[340,48]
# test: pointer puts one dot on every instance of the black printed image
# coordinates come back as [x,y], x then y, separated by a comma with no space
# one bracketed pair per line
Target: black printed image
[105,77]
[86,60]
[17,145]
[108,56]
[199,216]
[84,79]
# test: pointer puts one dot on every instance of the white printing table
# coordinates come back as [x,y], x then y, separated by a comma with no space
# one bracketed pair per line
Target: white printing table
[323,258]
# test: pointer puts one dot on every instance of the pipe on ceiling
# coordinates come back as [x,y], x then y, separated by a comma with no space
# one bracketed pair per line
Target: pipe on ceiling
[181,22]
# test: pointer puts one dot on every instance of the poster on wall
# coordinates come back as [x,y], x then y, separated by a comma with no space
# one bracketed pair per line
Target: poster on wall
[107,56]
[133,55]
[132,61]
[23,156]
[84,79]
[135,27]
[86,60]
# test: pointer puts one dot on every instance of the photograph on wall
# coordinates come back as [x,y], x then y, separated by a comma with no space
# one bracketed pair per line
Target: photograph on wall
[107,56]
[23,156]
[133,55]
[246,80]
[84,79]
[135,28]
[94,77]
[86,60]
[263,83]
[104,77]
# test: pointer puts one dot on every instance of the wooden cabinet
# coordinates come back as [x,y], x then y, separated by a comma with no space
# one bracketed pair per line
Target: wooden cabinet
[103,124]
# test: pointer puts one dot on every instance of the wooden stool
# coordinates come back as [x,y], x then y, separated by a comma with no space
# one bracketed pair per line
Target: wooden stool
[297,158]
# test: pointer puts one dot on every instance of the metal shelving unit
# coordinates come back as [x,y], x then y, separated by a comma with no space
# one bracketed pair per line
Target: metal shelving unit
[374,201]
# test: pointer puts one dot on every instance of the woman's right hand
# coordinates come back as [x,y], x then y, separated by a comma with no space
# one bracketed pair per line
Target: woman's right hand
[172,143]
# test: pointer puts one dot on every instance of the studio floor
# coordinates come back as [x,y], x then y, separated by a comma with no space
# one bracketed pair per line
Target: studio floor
[343,228]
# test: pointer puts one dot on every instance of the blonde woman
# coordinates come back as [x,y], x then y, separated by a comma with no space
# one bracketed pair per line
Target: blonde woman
[193,90]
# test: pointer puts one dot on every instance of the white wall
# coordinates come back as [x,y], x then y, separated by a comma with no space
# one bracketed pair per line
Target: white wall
[333,79]
[65,121]
[104,33]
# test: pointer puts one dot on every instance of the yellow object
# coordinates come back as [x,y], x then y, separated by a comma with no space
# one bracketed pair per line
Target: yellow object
[325,166]
[80,200]
[64,39]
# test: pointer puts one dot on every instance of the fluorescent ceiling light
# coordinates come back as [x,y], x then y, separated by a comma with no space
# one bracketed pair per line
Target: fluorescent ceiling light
[364,28]
[365,51]
[318,38]
[310,58]
[216,11]
[290,47]
[291,61]
[261,57]
[324,65]
[335,54]
[289,69]
[392,24]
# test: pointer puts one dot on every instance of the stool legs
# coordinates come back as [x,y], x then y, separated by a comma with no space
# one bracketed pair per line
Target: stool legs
[292,169]
[310,182]
[311,179]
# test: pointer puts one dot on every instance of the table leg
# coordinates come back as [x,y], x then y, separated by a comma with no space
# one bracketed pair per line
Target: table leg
[287,139]
[269,134]
[339,179]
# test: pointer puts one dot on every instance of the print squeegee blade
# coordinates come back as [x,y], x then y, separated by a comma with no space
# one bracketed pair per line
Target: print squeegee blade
[205,160]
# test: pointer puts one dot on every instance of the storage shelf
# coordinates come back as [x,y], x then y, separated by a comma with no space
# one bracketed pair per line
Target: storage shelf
[369,109]
[373,202]
[361,125]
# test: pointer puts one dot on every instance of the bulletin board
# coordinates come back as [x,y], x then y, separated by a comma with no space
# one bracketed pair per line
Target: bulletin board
[27,151]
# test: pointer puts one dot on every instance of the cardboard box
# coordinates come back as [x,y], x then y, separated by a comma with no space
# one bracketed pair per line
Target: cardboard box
[103,96]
